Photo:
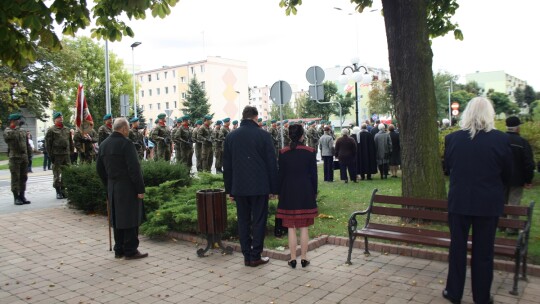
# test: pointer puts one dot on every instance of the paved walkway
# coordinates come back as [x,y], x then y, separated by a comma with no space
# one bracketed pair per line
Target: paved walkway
[59,255]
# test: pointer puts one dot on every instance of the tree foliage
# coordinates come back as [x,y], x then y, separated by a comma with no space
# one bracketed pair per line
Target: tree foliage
[380,98]
[27,25]
[288,111]
[502,103]
[311,108]
[196,104]
[529,95]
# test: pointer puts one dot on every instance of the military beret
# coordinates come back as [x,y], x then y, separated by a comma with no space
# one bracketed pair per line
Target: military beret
[161,116]
[107,116]
[513,121]
[286,121]
[300,121]
[279,123]
[310,122]
[56,115]
[226,119]
[208,117]
[219,122]
[264,123]
[186,117]
[198,122]
[156,121]
[273,121]
[14,116]
[259,120]
[235,122]
[180,119]
[134,119]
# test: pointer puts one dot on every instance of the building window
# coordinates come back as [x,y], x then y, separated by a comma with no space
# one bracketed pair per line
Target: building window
[173,73]
[175,104]
[203,85]
[183,95]
[192,70]
[183,79]
[149,77]
[150,106]
[157,76]
[149,92]
[142,79]
[174,89]
[159,106]
[142,107]
[142,93]
[158,91]
[166,90]
[167,105]
[165,74]
[202,68]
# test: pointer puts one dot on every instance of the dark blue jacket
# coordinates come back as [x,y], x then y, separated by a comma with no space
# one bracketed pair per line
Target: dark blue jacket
[523,160]
[480,171]
[249,161]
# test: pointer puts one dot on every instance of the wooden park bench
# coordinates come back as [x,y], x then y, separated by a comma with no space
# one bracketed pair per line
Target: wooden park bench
[393,209]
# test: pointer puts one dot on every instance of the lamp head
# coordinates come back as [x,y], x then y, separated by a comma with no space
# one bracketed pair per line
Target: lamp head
[135,44]
[355,60]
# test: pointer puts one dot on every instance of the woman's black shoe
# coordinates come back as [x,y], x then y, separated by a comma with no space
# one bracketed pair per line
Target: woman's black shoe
[446,296]
[292,263]
[304,263]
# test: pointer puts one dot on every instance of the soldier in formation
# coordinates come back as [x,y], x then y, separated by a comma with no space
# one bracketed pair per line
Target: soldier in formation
[176,142]
[59,145]
[183,138]
[205,137]
[313,136]
[84,142]
[198,145]
[106,129]
[218,146]
[235,124]
[274,133]
[137,137]
[161,136]
[19,150]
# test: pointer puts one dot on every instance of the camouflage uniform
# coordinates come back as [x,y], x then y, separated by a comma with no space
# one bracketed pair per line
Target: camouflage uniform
[219,139]
[183,139]
[205,137]
[274,132]
[198,148]
[161,136]
[19,150]
[138,140]
[59,145]
[313,137]
[103,132]
[85,146]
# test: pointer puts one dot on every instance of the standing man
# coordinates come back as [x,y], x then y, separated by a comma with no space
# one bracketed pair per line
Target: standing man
[137,137]
[84,143]
[235,124]
[250,176]
[106,129]
[186,145]
[274,133]
[18,158]
[161,135]
[218,146]
[259,122]
[59,145]
[523,160]
[198,145]
[313,136]
[175,134]
[205,137]
[120,171]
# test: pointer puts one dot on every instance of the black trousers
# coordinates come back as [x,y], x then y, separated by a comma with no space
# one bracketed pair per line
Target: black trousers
[126,241]
[46,161]
[343,171]
[252,212]
[483,238]
[328,165]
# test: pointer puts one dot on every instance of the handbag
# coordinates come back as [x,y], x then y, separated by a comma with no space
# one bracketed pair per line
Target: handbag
[336,165]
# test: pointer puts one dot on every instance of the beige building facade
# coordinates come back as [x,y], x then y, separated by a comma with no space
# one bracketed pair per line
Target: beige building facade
[499,81]
[165,89]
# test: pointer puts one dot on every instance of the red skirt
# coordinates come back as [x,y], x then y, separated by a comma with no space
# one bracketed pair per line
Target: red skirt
[298,223]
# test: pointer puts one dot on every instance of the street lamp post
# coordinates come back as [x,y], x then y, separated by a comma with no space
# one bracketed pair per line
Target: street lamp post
[357,76]
[239,110]
[133,46]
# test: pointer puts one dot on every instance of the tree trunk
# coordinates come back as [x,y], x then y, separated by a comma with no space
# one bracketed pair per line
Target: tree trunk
[410,59]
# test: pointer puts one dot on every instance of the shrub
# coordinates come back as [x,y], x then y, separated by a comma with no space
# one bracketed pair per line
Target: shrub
[85,190]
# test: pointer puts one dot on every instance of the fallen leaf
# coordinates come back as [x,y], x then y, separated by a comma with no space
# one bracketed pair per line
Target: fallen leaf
[163,272]
[308,285]
[441,282]
[174,240]
[82,242]
[28,298]
[325,216]
[51,286]
[413,283]
[211,271]
[280,248]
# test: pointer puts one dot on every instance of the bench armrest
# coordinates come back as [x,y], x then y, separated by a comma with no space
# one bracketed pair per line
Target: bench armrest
[353,223]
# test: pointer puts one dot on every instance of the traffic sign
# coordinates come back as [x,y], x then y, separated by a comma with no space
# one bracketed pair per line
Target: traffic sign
[455,112]
[455,106]
[315,75]
[316,92]
[280,92]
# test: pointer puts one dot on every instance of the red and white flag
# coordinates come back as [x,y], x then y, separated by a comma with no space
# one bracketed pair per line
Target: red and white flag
[83,114]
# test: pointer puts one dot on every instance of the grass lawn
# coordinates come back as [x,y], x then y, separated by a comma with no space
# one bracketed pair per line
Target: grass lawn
[37,162]
[3,156]
[339,200]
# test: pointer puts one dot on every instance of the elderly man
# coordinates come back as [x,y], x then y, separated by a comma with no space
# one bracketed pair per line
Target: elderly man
[120,171]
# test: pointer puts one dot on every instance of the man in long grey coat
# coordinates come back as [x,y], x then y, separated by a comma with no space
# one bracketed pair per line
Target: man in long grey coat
[383,148]
[120,171]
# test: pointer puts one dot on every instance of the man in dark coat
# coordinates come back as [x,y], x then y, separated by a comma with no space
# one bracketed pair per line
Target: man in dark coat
[120,171]
[366,163]
[250,176]
[478,159]
[346,154]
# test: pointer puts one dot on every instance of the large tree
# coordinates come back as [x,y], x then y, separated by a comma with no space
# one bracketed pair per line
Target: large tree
[502,104]
[196,104]
[287,110]
[380,98]
[529,95]
[25,25]
[410,24]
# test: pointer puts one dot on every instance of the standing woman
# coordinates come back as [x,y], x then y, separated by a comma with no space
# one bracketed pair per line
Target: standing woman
[297,205]
[326,143]
[478,159]
[395,156]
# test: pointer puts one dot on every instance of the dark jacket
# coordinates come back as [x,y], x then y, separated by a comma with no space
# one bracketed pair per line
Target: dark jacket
[249,161]
[523,160]
[297,183]
[120,171]
[480,171]
[346,150]
[395,157]
[366,162]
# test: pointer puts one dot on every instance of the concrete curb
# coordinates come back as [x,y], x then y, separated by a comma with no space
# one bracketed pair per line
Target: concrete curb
[384,248]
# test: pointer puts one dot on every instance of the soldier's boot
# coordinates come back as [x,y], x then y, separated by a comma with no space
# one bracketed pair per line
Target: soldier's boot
[23,199]
[59,194]
[63,192]
[16,200]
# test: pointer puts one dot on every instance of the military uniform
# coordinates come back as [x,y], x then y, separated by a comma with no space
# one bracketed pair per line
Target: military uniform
[137,138]
[205,137]
[161,135]
[185,133]
[19,150]
[313,137]
[198,146]
[103,132]
[178,156]
[59,145]
[274,132]
[84,143]
[156,157]
[218,139]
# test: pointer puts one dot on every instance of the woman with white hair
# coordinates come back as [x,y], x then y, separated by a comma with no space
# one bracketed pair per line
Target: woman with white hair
[478,159]
[383,149]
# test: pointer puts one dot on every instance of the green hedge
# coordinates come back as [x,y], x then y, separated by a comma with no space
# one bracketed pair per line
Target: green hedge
[85,191]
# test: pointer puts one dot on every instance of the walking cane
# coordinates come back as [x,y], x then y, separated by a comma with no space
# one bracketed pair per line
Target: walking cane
[109,221]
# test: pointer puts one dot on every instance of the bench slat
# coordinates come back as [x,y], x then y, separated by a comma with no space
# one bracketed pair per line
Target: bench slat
[411,213]
[410,201]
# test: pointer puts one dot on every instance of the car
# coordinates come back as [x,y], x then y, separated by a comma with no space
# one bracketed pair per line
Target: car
[41,143]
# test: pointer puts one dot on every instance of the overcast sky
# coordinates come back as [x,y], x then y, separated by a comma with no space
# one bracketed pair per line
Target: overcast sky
[499,35]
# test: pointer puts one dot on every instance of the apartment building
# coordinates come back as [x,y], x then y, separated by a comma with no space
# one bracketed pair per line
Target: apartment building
[499,81]
[165,89]
[260,98]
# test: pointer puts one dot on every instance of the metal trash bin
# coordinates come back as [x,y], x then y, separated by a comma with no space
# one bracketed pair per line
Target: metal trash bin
[212,218]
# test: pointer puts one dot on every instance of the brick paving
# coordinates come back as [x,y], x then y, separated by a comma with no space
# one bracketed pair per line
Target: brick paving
[59,255]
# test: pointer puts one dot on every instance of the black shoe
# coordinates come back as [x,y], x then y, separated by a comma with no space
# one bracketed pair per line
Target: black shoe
[304,263]
[247,263]
[292,263]
[261,261]
[59,195]
[118,255]
[346,181]
[17,200]
[23,199]
[446,296]
[136,256]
